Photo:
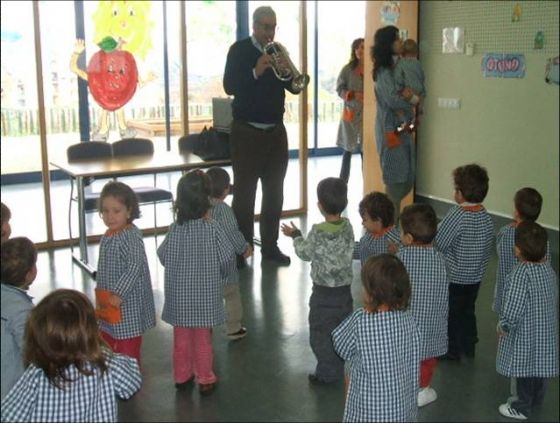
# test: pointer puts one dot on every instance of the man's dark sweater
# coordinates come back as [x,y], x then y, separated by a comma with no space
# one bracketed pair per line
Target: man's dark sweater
[256,100]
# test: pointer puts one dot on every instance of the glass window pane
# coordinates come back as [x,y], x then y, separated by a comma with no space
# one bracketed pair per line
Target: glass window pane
[210,32]
[20,146]
[61,100]
[333,53]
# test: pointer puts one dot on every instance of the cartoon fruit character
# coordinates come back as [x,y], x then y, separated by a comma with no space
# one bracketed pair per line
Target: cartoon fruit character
[112,75]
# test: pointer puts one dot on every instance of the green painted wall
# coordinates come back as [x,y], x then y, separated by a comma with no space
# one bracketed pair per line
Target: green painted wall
[509,126]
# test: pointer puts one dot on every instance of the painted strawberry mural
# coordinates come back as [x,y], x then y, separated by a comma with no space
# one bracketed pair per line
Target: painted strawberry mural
[112,75]
[123,33]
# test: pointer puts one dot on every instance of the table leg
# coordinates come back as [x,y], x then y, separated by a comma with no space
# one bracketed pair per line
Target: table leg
[82,260]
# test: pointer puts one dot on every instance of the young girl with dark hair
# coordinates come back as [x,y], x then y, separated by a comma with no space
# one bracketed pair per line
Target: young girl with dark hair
[123,273]
[70,376]
[198,259]
[381,344]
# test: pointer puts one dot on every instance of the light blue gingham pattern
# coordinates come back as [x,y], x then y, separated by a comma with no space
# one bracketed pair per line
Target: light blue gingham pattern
[383,351]
[398,164]
[198,259]
[87,399]
[371,245]
[465,238]
[530,315]
[122,268]
[223,214]
[429,301]
[505,241]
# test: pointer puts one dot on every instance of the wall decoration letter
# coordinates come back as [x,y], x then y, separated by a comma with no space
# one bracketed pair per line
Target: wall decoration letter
[498,65]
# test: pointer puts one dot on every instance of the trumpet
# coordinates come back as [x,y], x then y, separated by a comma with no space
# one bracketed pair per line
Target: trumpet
[283,67]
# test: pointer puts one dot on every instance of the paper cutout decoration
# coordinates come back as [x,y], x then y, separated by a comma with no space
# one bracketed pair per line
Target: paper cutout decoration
[539,40]
[551,70]
[453,40]
[130,25]
[390,12]
[498,65]
[516,16]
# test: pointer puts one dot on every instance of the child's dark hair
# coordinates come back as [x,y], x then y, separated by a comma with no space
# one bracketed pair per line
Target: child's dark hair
[528,203]
[386,282]
[19,255]
[382,49]
[472,181]
[219,181]
[193,191]
[378,206]
[531,239]
[6,214]
[353,59]
[420,221]
[124,194]
[62,331]
[332,194]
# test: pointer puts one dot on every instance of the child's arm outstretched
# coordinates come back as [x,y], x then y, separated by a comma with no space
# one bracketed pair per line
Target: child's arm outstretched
[303,247]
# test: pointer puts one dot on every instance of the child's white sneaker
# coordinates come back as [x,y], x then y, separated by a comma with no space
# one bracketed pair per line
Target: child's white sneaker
[426,396]
[506,411]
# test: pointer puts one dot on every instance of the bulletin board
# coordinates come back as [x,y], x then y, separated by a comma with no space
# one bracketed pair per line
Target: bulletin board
[489,25]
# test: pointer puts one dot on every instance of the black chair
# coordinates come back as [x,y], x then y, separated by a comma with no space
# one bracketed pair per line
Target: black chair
[84,151]
[146,195]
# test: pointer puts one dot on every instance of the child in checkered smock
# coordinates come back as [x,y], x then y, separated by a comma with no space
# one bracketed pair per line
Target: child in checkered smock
[18,271]
[378,217]
[222,213]
[381,343]
[527,207]
[465,237]
[430,289]
[122,269]
[528,323]
[198,259]
[329,247]
[71,376]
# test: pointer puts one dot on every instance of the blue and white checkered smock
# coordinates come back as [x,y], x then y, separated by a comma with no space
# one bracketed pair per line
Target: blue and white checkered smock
[383,350]
[429,301]
[373,245]
[198,259]
[87,399]
[398,164]
[465,238]
[505,241]
[122,268]
[530,316]
[223,214]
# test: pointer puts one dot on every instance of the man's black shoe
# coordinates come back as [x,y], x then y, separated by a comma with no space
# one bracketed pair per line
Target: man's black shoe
[276,256]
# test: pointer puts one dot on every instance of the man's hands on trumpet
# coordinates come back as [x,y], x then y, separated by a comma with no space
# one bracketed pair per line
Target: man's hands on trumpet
[263,63]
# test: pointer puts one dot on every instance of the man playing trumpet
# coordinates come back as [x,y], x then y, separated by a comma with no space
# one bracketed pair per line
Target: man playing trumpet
[259,144]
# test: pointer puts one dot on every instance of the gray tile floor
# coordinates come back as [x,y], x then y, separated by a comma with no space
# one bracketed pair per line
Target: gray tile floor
[264,376]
